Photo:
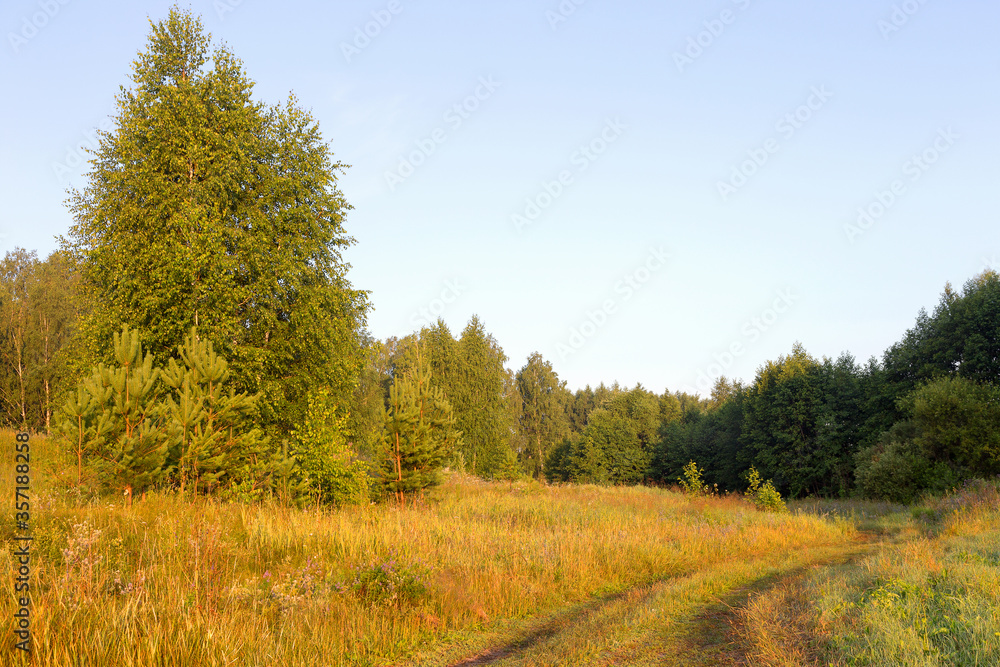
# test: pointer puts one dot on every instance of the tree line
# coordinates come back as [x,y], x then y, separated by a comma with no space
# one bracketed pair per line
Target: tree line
[196,330]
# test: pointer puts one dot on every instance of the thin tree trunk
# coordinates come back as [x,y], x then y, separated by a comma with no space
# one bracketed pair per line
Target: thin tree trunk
[79,452]
[20,380]
[48,409]
[399,472]
[538,448]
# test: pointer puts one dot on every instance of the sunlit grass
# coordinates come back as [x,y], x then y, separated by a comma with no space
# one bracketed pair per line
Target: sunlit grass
[927,596]
[175,582]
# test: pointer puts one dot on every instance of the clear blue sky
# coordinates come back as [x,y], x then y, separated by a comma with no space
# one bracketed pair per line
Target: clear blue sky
[738,138]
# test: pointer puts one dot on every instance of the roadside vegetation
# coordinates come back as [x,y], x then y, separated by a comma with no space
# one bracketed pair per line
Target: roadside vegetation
[520,573]
[926,596]
[178,581]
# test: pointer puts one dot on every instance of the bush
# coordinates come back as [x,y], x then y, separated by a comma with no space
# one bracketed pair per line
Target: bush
[691,480]
[899,469]
[958,420]
[390,583]
[332,471]
[763,495]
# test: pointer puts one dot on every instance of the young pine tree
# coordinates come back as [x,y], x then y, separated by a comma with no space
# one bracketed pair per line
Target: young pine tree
[133,453]
[76,420]
[419,434]
[206,422]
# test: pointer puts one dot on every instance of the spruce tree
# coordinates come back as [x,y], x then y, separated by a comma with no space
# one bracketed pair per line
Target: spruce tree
[543,416]
[487,404]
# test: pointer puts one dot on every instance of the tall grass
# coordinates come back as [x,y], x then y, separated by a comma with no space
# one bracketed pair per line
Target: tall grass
[927,596]
[175,582]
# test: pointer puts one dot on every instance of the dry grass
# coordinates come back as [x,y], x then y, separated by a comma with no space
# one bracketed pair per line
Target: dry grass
[172,582]
[925,596]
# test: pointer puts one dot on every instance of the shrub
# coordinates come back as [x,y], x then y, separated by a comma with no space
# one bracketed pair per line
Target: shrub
[328,463]
[898,468]
[763,495]
[390,583]
[691,480]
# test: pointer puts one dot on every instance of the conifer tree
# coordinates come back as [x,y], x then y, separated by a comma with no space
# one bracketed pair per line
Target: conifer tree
[543,417]
[207,208]
[487,404]
[419,433]
[206,421]
[77,421]
[133,454]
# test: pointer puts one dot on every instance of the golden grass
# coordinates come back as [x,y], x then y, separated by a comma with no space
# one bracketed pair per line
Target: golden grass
[174,582]
[927,595]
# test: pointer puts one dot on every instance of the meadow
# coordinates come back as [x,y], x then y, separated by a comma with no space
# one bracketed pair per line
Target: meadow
[477,573]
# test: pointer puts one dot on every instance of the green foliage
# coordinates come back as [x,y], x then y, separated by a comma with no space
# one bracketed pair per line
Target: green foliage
[801,419]
[205,207]
[543,414]
[38,311]
[141,425]
[710,435]
[557,464]
[617,445]
[691,480]
[894,468]
[130,443]
[330,468]
[961,338]
[365,421]
[586,463]
[951,432]
[206,424]
[390,583]
[967,331]
[763,495]
[958,420]
[487,406]
[420,434]
[482,392]
[75,421]
[580,408]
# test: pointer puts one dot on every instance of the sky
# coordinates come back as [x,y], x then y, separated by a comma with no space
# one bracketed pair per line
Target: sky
[643,192]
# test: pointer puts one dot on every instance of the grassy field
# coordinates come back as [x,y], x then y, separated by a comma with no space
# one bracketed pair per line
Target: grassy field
[501,574]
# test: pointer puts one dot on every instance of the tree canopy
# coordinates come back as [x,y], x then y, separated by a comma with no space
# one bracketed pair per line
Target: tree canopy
[205,207]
